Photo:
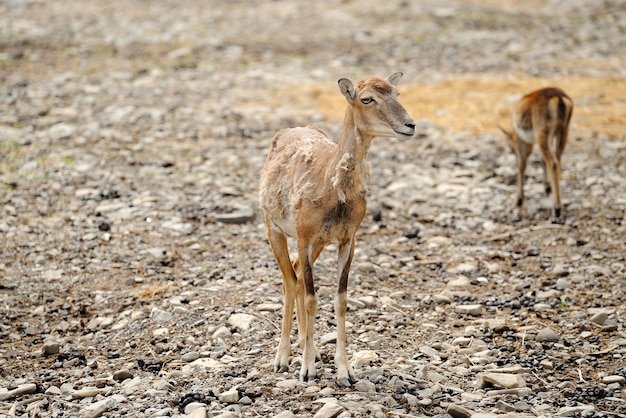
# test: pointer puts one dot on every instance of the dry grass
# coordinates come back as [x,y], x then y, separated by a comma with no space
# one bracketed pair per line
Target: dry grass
[477,103]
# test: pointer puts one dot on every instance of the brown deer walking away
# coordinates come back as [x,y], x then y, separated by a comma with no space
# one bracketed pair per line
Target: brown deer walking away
[542,116]
[314,190]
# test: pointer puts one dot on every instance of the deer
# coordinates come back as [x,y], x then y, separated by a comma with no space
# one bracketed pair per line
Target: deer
[542,116]
[313,190]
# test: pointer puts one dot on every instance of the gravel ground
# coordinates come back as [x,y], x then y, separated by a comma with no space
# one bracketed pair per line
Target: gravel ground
[135,276]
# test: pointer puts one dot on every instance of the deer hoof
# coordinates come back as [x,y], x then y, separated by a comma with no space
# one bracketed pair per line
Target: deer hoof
[558,220]
[306,376]
[346,378]
[280,369]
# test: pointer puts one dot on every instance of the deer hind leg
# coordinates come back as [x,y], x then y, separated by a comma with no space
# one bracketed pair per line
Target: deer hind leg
[553,169]
[278,243]
[305,264]
[522,151]
[546,181]
[561,138]
[345,373]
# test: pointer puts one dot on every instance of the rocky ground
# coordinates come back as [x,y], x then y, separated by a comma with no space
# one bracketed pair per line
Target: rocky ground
[135,277]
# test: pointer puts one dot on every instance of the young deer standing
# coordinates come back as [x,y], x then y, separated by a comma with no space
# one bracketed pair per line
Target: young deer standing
[314,190]
[542,116]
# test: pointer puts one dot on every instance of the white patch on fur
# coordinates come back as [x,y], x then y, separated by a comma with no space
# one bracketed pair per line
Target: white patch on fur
[527,136]
[284,226]
[345,165]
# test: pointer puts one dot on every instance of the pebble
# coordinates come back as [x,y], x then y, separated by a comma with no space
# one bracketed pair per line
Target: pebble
[288,383]
[539,307]
[459,283]
[548,294]
[471,397]
[465,268]
[227,414]
[18,391]
[192,406]
[546,364]
[121,375]
[50,348]
[202,363]
[97,409]
[182,227]
[429,351]
[547,334]
[368,301]
[504,406]
[328,338]
[329,410]
[365,386]
[230,396]
[362,358]
[285,414]
[241,216]
[599,317]
[160,332]
[575,411]
[242,321]
[269,307]
[159,315]
[613,379]
[474,309]
[88,392]
[53,390]
[222,332]
[507,381]
[462,341]
[442,299]
[457,411]
[562,284]
[199,412]
[191,356]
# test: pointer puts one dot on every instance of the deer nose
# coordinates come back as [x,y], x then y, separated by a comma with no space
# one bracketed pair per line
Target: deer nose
[410,125]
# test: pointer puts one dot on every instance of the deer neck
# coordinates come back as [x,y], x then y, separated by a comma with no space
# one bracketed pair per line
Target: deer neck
[349,169]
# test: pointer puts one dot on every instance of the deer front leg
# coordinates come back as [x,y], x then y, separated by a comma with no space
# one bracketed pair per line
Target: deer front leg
[345,373]
[278,243]
[300,305]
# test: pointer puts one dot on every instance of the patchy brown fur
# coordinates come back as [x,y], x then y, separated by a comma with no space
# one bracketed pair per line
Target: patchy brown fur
[542,116]
[313,190]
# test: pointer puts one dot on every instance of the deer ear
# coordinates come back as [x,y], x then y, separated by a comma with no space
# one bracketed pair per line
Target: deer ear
[394,78]
[347,89]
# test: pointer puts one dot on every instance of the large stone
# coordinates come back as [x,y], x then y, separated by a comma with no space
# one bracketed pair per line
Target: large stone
[474,309]
[241,321]
[457,411]
[230,396]
[240,216]
[507,381]
[329,410]
[547,334]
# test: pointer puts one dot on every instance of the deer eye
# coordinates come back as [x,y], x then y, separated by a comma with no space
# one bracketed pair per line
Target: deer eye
[367,100]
